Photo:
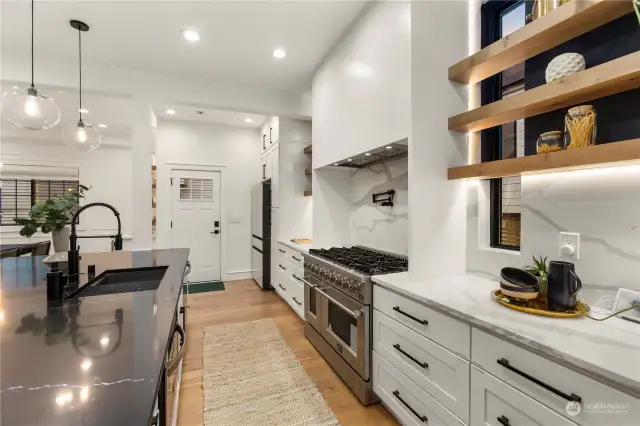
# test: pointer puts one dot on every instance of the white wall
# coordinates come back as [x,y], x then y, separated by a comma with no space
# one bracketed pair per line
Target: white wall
[362,92]
[236,148]
[437,206]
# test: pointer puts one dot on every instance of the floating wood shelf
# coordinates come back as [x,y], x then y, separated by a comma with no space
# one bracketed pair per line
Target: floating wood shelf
[610,154]
[308,149]
[612,77]
[308,172]
[307,193]
[556,27]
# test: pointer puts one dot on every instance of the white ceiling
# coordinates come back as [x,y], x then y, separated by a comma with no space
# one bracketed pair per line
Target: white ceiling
[236,37]
[211,116]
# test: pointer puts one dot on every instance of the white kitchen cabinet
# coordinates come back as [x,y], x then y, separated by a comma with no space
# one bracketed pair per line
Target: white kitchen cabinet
[264,142]
[274,131]
[275,258]
[273,164]
[289,286]
[495,403]
[263,167]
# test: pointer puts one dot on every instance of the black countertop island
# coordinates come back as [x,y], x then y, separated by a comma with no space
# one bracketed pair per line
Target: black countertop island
[88,360]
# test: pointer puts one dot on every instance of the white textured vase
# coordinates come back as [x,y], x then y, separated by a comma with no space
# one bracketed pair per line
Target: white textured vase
[564,65]
[60,239]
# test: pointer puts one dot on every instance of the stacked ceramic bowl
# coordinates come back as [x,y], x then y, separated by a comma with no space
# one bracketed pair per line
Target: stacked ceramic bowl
[518,284]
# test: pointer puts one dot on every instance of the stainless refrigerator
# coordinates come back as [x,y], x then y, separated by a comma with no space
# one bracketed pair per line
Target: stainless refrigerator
[261,234]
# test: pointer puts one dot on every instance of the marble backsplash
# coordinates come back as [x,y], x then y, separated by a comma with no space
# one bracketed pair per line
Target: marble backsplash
[384,228]
[603,205]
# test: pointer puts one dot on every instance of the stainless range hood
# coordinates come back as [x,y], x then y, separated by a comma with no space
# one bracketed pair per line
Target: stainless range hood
[390,152]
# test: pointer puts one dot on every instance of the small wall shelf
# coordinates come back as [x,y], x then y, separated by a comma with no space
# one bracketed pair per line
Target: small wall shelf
[612,77]
[308,149]
[307,193]
[605,155]
[556,27]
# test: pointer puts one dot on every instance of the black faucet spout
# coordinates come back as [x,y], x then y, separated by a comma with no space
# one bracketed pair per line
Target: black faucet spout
[73,258]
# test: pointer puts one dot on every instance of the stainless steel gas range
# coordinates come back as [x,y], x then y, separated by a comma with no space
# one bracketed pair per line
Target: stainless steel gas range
[338,294]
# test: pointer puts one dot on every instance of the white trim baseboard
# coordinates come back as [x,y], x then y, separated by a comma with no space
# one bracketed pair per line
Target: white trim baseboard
[238,275]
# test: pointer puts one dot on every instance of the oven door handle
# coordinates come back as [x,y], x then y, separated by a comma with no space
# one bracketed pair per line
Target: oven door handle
[353,314]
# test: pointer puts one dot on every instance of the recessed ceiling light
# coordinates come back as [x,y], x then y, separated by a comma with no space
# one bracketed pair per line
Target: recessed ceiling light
[190,35]
[335,164]
[248,120]
[279,53]
[102,126]
[83,111]
[170,111]
[349,160]
[389,147]
[368,154]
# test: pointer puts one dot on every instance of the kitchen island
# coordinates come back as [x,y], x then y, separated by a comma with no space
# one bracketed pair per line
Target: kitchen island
[95,360]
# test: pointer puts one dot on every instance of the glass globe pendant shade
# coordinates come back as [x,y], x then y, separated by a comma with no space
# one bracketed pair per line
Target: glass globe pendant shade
[29,109]
[81,136]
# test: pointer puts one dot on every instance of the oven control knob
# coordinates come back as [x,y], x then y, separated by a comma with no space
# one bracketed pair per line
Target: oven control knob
[352,285]
[315,268]
[322,271]
[339,280]
[306,265]
[326,273]
[333,277]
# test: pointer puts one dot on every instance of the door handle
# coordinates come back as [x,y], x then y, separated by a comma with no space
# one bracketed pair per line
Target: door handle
[504,421]
[216,232]
[573,397]
[270,141]
[264,137]
[352,314]
[264,171]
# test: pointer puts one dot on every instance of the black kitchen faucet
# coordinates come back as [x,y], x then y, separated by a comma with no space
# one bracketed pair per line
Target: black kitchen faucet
[73,257]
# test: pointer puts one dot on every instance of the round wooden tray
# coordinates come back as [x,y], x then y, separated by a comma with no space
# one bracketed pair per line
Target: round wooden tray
[535,307]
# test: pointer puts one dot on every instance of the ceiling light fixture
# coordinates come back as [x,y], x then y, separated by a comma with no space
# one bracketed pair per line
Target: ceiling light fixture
[102,126]
[28,108]
[248,120]
[335,164]
[279,53]
[190,35]
[104,341]
[86,365]
[83,111]
[349,160]
[368,154]
[389,147]
[79,135]
[170,112]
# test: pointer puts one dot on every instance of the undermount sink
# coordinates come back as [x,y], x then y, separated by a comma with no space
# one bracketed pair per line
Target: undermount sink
[123,281]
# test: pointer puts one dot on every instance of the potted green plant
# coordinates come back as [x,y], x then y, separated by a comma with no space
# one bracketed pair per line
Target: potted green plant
[539,268]
[53,216]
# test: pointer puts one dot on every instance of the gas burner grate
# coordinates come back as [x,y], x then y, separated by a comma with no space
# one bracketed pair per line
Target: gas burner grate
[365,261]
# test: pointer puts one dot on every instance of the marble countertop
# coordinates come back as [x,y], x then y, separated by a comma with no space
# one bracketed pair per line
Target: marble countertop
[84,361]
[608,351]
[304,248]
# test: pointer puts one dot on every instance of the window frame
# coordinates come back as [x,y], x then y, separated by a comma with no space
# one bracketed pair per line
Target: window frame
[491,14]
[33,194]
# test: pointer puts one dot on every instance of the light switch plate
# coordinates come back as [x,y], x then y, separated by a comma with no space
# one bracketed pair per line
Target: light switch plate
[570,238]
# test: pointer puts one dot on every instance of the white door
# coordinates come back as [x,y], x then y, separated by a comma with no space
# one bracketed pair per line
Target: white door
[195,220]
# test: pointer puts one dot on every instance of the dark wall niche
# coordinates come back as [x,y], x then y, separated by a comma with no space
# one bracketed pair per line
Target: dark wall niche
[618,116]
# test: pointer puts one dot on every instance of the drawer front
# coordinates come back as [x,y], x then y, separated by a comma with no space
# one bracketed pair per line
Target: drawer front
[443,374]
[283,250]
[449,332]
[296,292]
[296,258]
[516,362]
[283,277]
[410,404]
[495,403]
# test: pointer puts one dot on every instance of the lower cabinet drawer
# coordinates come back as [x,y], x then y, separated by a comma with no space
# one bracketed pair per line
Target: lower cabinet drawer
[410,404]
[296,292]
[495,403]
[443,374]
[552,384]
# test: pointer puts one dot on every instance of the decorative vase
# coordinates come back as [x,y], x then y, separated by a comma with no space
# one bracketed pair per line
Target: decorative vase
[542,7]
[580,127]
[60,239]
[564,65]
[550,142]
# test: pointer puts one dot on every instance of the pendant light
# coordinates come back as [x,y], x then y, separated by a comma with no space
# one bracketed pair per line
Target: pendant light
[79,135]
[28,108]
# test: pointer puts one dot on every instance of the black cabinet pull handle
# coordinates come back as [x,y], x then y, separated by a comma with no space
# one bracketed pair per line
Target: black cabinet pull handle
[421,364]
[264,171]
[270,141]
[573,397]
[282,267]
[504,421]
[296,258]
[264,137]
[280,285]
[297,278]
[415,413]
[296,300]
[423,322]
[281,251]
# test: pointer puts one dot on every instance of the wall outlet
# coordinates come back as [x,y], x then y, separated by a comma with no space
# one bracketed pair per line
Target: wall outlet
[569,245]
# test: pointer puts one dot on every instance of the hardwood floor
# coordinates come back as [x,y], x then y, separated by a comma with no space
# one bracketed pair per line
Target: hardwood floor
[244,301]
